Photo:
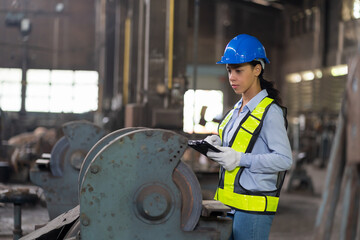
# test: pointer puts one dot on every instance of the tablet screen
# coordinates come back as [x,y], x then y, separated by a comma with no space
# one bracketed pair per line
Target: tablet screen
[202,146]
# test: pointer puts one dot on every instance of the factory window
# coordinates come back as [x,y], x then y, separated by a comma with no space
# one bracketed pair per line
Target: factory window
[61,91]
[208,110]
[356,9]
[10,89]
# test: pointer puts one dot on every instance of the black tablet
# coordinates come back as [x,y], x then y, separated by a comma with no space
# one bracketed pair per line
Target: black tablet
[202,146]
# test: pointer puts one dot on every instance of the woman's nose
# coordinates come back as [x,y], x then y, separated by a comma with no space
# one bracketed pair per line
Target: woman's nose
[231,76]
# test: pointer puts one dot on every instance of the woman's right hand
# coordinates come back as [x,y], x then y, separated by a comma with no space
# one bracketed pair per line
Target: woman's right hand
[213,140]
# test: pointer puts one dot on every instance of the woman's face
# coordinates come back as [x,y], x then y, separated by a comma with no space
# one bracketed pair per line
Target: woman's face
[243,77]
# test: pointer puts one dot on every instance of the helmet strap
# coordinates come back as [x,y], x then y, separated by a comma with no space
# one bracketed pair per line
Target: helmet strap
[261,62]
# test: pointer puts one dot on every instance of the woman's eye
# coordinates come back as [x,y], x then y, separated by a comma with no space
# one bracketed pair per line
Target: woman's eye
[238,71]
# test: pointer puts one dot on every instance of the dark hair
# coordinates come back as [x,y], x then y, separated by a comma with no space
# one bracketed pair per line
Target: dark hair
[269,86]
[273,92]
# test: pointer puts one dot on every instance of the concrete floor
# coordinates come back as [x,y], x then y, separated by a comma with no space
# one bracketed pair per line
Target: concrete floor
[32,214]
[295,218]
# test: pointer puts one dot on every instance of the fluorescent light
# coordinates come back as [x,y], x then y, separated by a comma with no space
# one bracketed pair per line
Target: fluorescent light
[307,75]
[293,78]
[318,73]
[339,70]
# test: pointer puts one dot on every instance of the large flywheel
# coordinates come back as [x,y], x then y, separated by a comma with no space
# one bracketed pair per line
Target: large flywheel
[139,180]
[133,185]
[191,197]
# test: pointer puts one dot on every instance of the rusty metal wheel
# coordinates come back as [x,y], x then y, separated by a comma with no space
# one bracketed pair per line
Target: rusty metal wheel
[189,187]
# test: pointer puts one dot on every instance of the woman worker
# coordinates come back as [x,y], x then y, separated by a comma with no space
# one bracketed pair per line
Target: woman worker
[255,149]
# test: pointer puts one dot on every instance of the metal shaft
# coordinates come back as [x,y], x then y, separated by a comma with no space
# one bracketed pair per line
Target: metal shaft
[17,221]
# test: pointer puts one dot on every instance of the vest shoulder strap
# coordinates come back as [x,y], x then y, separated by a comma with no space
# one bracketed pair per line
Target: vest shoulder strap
[248,130]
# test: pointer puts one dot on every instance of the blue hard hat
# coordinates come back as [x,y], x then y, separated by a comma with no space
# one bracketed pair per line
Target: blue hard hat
[242,49]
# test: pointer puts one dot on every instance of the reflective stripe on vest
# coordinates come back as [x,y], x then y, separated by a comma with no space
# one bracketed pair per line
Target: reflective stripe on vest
[247,132]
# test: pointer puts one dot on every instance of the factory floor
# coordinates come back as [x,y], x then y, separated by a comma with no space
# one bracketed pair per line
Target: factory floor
[295,218]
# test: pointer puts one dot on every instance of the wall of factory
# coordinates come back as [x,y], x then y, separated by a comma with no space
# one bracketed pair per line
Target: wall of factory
[38,34]
[221,21]
[62,34]
[319,36]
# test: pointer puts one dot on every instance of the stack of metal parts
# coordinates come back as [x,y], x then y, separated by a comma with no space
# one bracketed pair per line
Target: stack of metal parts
[133,185]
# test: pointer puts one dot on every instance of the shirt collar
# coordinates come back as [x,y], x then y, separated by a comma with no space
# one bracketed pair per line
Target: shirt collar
[251,105]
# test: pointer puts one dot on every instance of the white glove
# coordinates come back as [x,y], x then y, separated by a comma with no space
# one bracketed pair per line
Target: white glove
[213,140]
[228,157]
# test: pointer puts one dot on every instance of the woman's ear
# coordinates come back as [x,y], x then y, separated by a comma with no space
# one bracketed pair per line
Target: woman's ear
[257,70]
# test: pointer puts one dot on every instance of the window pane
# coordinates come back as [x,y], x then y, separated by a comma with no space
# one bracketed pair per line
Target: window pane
[37,104]
[11,89]
[38,76]
[10,75]
[62,77]
[86,91]
[86,77]
[208,106]
[61,104]
[37,90]
[85,106]
[10,103]
[85,98]
[61,98]
[61,90]
[356,9]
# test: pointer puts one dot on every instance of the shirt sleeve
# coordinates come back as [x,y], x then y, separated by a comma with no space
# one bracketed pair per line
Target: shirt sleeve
[275,151]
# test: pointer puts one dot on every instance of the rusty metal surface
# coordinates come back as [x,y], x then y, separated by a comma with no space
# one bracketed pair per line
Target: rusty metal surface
[60,184]
[80,137]
[98,146]
[136,187]
[212,208]
[17,196]
[55,227]
[128,190]
[57,153]
[191,197]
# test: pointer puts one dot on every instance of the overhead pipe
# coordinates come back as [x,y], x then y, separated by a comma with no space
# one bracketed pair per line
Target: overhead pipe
[171,43]
[146,52]
[126,61]
[117,57]
[195,52]
[140,52]
[169,46]
[24,67]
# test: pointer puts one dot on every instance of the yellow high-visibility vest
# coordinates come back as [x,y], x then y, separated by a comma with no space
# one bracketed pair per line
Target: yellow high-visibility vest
[229,190]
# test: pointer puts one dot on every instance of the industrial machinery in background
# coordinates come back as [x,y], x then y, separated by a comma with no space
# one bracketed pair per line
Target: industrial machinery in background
[311,136]
[19,153]
[57,173]
[342,177]
[133,185]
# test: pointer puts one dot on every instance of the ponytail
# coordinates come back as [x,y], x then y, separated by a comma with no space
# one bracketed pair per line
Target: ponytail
[269,86]
[273,92]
